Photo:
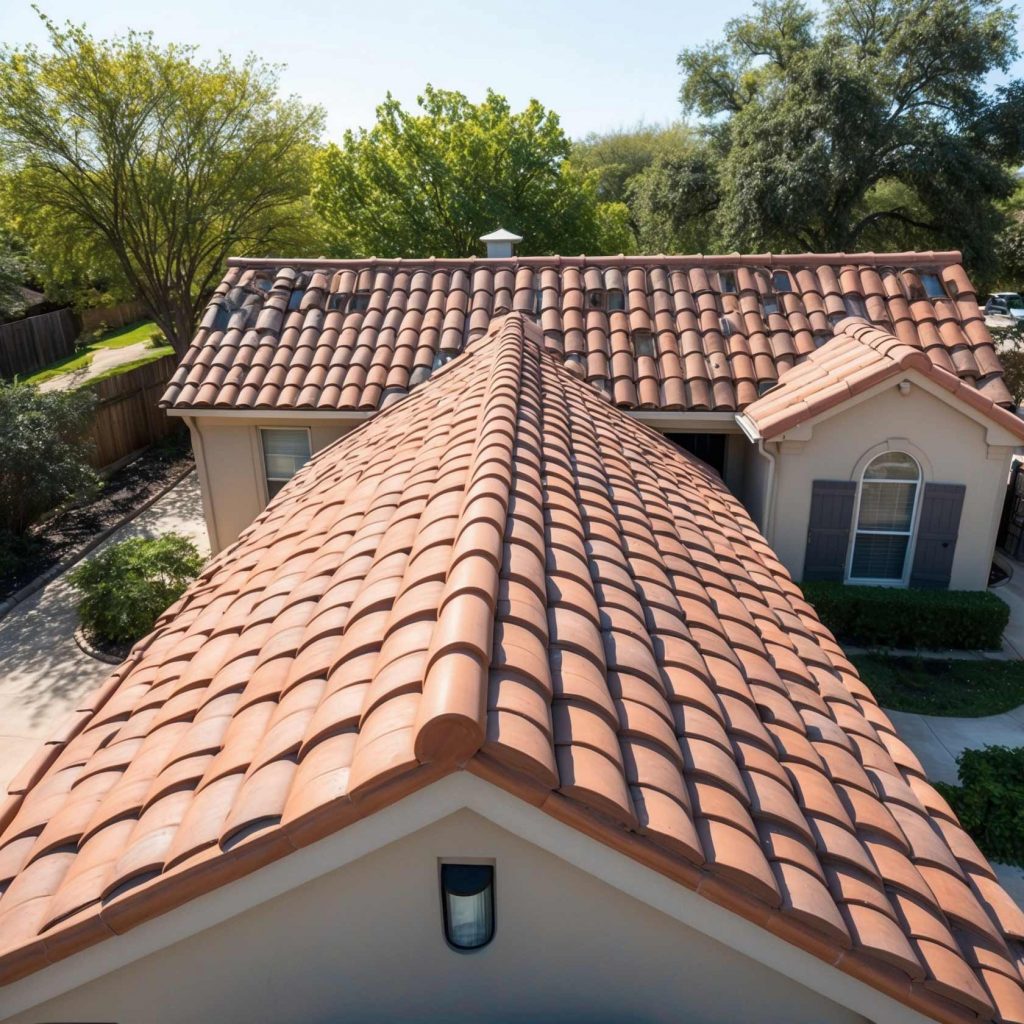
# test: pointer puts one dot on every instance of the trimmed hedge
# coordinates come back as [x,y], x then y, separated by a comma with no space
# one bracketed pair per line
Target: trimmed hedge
[967,620]
[990,800]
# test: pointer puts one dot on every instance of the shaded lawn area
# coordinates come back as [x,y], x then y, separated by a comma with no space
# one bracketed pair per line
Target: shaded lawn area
[121,337]
[935,686]
[116,371]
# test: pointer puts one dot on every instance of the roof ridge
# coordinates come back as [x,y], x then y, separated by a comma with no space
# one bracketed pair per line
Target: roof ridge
[451,722]
[929,257]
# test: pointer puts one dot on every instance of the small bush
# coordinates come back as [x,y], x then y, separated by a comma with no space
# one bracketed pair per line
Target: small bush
[990,800]
[967,620]
[125,589]
[156,340]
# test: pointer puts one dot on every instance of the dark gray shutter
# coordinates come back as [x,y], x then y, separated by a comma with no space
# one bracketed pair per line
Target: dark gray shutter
[828,531]
[937,530]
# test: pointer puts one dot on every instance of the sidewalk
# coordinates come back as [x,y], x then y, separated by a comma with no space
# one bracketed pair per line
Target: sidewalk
[43,673]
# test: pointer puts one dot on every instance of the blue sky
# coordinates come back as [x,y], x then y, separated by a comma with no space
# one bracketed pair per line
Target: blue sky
[600,64]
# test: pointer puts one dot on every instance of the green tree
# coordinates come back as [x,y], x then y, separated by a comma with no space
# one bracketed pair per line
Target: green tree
[867,122]
[43,452]
[661,222]
[1009,274]
[645,167]
[13,274]
[620,155]
[168,162]
[431,183]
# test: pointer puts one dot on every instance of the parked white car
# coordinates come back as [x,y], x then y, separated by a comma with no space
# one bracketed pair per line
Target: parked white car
[1007,307]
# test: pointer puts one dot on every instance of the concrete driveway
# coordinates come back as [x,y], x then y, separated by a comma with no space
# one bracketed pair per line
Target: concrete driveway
[43,673]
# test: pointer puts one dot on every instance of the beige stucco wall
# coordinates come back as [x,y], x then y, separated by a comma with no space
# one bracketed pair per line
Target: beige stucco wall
[229,460]
[950,447]
[364,943]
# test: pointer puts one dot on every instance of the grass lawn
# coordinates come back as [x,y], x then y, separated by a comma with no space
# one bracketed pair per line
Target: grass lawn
[121,337]
[934,686]
[116,371]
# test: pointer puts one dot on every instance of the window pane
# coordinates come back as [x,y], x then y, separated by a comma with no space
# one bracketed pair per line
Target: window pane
[888,506]
[878,556]
[892,466]
[284,453]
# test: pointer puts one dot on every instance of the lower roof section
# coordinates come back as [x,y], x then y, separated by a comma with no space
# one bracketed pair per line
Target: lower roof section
[505,574]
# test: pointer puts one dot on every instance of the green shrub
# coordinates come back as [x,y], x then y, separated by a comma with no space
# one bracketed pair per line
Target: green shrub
[965,620]
[990,800]
[43,452]
[125,589]
[156,340]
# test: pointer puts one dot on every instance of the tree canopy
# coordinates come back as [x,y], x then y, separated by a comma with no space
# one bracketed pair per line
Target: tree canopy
[12,276]
[152,162]
[43,452]
[868,123]
[430,183]
[644,167]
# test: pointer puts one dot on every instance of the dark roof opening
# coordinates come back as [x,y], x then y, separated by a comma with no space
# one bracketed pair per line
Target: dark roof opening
[933,286]
[643,343]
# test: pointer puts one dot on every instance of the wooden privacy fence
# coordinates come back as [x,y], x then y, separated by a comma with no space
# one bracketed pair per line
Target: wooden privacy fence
[127,415]
[114,316]
[29,344]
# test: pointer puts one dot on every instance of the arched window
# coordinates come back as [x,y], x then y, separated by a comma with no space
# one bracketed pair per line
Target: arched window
[886,504]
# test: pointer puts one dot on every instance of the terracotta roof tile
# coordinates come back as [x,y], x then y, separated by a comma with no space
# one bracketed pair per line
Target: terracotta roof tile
[505,573]
[856,359]
[650,332]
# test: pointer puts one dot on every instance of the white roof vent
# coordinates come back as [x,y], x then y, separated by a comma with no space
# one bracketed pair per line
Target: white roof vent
[501,244]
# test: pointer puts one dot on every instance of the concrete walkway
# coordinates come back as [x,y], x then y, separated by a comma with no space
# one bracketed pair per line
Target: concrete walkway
[1012,592]
[937,740]
[103,359]
[43,673]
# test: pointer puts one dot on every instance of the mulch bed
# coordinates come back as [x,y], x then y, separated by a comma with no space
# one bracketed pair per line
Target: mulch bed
[125,491]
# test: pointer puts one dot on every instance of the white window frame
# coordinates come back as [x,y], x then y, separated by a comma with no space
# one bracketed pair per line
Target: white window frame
[265,478]
[911,534]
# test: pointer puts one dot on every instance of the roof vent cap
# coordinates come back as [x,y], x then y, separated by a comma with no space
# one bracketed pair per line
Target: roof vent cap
[501,244]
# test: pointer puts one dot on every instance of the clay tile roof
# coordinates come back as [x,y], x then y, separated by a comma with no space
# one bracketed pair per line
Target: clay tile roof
[860,356]
[322,335]
[503,573]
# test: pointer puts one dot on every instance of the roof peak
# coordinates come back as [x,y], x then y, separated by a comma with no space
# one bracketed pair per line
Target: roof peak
[830,376]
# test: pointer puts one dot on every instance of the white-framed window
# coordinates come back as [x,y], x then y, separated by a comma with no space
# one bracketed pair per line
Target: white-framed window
[884,520]
[285,451]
